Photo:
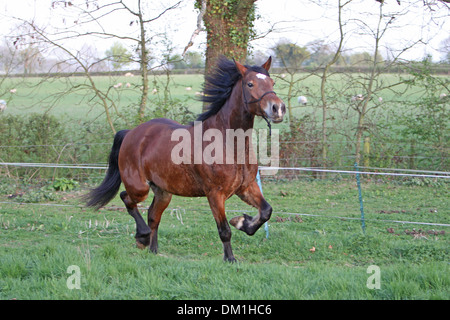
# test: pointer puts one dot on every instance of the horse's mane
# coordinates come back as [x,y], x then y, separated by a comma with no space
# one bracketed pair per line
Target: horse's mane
[219,85]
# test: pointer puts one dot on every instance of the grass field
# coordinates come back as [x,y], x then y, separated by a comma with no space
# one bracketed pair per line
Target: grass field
[39,243]
[71,96]
[316,248]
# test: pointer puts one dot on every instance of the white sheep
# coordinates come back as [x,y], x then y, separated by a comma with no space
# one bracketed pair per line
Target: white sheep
[302,100]
[443,96]
[2,105]
[358,97]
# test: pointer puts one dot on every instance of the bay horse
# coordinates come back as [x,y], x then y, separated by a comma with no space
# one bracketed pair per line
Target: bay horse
[141,158]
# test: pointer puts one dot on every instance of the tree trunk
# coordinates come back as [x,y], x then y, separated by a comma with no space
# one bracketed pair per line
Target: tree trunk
[228,25]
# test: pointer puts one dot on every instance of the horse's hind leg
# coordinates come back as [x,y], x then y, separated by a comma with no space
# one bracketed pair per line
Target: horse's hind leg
[160,202]
[142,230]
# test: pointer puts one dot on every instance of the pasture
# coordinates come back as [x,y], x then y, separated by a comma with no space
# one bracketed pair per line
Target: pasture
[407,128]
[321,255]
[72,97]
[316,248]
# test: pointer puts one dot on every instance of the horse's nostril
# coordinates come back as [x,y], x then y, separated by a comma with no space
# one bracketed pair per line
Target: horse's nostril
[274,109]
[283,108]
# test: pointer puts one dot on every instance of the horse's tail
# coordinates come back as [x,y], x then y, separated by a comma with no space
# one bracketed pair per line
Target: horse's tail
[108,189]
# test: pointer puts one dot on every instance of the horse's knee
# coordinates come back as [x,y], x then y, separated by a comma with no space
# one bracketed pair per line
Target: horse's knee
[266,212]
[224,231]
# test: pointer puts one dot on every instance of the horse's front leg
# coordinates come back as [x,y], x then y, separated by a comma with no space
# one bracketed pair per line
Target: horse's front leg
[253,196]
[217,203]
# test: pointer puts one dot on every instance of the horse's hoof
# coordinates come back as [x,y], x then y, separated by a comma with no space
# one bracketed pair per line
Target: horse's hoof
[230,259]
[140,245]
[237,222]
[142,242]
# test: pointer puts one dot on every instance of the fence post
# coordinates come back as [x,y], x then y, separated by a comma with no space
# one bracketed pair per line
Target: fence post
[266,225]
[361,207]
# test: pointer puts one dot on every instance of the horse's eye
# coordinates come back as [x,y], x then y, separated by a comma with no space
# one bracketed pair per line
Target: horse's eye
[250,84]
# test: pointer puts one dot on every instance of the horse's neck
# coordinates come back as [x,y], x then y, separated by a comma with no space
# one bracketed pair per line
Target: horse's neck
[233,114]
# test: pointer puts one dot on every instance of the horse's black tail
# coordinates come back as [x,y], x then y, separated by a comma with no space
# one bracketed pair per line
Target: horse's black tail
[108,189]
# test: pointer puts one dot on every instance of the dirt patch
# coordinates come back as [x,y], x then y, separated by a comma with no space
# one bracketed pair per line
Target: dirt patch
[297,219]
[417,234]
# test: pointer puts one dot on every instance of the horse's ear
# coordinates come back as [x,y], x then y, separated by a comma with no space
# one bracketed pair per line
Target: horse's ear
[241,68]
[267,64]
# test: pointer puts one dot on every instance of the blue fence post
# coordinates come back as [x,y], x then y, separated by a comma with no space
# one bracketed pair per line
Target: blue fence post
[361,206]
[266,225]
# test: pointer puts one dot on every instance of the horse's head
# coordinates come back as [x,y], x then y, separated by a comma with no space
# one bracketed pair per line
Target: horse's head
[258,94]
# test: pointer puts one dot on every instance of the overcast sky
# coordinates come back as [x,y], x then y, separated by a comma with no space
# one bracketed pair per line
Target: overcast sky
[299,21]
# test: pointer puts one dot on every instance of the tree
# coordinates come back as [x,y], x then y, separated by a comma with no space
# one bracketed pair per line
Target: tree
[194,60]
[118,55]
[95,14]
[290,55]
[363,59]
[324,76]
[445,48]
[229,26]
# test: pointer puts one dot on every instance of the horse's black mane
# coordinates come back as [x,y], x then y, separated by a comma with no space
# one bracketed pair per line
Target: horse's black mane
[220,83]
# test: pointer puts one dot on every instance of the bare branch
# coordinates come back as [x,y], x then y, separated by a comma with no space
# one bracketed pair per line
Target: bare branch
[198,29]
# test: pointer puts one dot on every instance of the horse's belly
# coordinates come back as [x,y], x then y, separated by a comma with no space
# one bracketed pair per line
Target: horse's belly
[178,182]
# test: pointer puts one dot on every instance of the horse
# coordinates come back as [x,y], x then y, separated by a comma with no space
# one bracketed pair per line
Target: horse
[142,158]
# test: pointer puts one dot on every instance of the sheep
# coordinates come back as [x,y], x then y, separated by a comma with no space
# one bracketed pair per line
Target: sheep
[358,97]
[302,100]
[2,105]
[443,96]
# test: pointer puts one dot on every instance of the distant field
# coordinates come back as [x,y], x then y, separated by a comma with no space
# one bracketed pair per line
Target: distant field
[70,97]
[71,101]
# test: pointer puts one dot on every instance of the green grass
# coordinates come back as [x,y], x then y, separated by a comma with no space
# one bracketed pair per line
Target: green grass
[71,97]
[38,243]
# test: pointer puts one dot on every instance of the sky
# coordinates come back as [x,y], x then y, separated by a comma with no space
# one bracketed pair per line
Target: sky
[298,21]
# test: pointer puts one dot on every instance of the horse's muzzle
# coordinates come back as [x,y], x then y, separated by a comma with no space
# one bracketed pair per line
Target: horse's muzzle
[275,111]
